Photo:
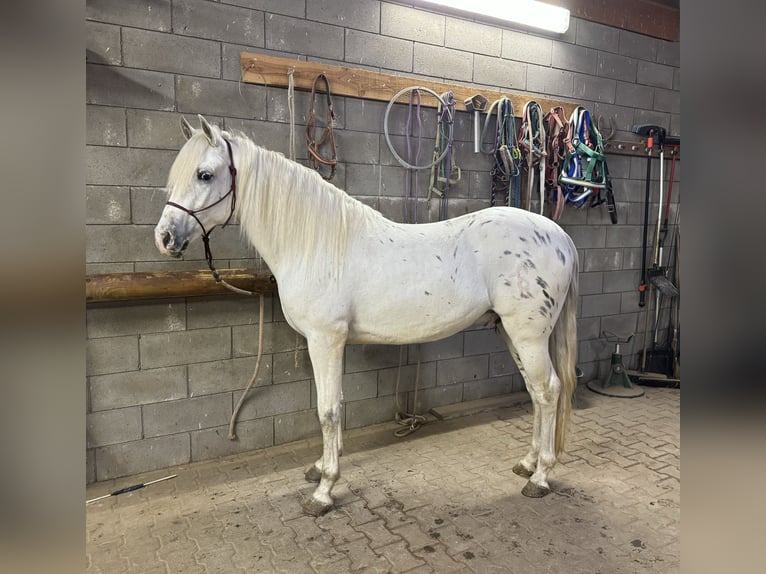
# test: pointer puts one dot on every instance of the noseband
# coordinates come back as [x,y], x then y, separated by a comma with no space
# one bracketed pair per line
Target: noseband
[205,233]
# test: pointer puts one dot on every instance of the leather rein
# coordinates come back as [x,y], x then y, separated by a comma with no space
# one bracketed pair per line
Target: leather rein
[206,233]
[328,137]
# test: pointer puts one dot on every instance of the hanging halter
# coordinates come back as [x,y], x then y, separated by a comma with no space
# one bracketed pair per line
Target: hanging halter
[328,137]
[206,233]
[557,130]
[583,173]
[444,172]
[532,146]
[505,173]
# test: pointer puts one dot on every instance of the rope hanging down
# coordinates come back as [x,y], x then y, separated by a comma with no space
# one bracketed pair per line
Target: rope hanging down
[328,136]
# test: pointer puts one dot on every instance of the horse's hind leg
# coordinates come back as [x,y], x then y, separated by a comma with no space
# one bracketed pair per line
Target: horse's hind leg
[326,353]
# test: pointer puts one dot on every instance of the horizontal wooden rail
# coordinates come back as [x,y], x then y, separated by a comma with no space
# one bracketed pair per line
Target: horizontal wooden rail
[130,286]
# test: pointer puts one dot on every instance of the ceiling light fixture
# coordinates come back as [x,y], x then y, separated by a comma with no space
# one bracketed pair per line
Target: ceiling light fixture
[526,12]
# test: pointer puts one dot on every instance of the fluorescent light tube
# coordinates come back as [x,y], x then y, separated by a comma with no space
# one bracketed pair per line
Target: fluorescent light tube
[527,12]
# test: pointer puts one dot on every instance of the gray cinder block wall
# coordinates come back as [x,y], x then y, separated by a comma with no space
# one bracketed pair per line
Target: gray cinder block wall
[162,376]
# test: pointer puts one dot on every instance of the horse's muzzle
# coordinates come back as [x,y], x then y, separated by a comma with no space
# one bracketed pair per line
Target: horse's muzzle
[167,245]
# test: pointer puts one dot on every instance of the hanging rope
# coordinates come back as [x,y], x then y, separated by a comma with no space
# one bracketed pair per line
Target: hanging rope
[291,109]
[410,421]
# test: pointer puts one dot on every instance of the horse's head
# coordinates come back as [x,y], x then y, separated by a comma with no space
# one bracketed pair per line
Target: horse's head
[201,189]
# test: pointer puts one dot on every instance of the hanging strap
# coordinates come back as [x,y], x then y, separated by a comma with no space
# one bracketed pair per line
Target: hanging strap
[328,137]
[532,144]
[583,173]
[556,133]
[506,172]
[444,172]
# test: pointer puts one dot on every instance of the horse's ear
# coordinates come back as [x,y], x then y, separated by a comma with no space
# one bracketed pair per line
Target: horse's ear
[186,128]
[208,130]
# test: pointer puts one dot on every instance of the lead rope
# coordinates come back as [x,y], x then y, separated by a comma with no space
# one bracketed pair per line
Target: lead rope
[233,420]
[410,421]
[291,110]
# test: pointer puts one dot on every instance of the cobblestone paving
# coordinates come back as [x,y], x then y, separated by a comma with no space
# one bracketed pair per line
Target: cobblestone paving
[443,499]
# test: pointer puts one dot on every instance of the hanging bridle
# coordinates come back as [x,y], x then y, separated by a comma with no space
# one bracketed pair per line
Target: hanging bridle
[205,233]
[315,158]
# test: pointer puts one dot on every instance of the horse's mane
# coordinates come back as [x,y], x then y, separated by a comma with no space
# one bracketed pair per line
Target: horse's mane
[308,219]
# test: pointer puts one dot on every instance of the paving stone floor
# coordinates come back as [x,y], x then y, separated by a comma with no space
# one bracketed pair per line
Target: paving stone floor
[443,499]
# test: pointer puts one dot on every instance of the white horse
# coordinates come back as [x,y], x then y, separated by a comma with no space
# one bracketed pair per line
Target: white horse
[346,274]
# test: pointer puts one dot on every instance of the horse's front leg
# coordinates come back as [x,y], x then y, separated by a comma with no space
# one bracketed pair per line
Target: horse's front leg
[326,351]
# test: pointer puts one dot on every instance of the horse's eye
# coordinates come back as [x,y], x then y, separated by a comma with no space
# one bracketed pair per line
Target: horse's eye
[204,175]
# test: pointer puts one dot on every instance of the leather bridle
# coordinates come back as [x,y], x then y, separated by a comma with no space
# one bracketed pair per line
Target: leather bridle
[206,233]
[328,136]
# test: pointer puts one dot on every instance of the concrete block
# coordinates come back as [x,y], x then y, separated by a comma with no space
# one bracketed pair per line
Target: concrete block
[220,97]
[598,36]
[112,427]
[160,130]
[549,81]
[373,180]
[499,72]
[224,310]
[173,417]
[365,116]
[595,350]
[481,341]
[227,375]
[227,243]
[527,48]
[501,364]
[371,357]
[437,397]
[473,37]
[213,443]
[111,355]
[677,79]
[617,67]
[587,237]
[117,166]
[452,371]
[668,53]
[275,400]
[182,347]
[383,51]
[603,260]
[270,135]
[146,204]
[667,101]
[634,95]
[358,147]
[411,24]
[489,388]
[149,14]
[134,318]
[105,126]
[479,184]
[290,427]
[588,328]
[615,281]
[652,117]
[574,58]
[407,378]
[292,366]
[591,283]
[216,21]
[573,216]
[622,117]
[370,411]
[621,325]
[277,337]
[657,75]
[631,258]
[359,386]
[107,205]
[141,456]
[638,46]
[360,15]
[600,305]
[112,243]
[448,348]
[124,87]
[623,236]
[443,62]
[304,37]
[594,88]
[102,44]
[90,466]
[137,388]
[171,53]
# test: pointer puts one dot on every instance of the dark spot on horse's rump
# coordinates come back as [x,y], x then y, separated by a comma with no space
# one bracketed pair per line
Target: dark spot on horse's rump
[506,252]
[524,239]
[548,304]
[426,292]
[439,258]
[536,241]
[543,312]
[545,293]
[454,253]
[529,264]
[507,283]
[562,257]
[525,252]
[541,282]
[470,223]
[547,237]
[391,240]
[488,221]
[518,256]
[475,250]
[526,295]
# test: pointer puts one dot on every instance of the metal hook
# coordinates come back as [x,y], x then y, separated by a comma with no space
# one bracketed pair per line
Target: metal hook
[611,127]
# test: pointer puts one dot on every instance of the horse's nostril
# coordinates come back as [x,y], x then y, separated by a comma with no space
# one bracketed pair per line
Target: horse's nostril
[165,238]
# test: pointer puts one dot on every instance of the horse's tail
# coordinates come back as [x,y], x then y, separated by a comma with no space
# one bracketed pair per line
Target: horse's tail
[563,351]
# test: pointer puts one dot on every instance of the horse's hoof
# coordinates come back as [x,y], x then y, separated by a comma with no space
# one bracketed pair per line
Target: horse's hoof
[521,470]
[314,507]
[312,474]
[533,490]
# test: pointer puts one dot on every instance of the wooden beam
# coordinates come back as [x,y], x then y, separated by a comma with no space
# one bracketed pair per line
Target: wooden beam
[268,70]
[157,285]
[650,17]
